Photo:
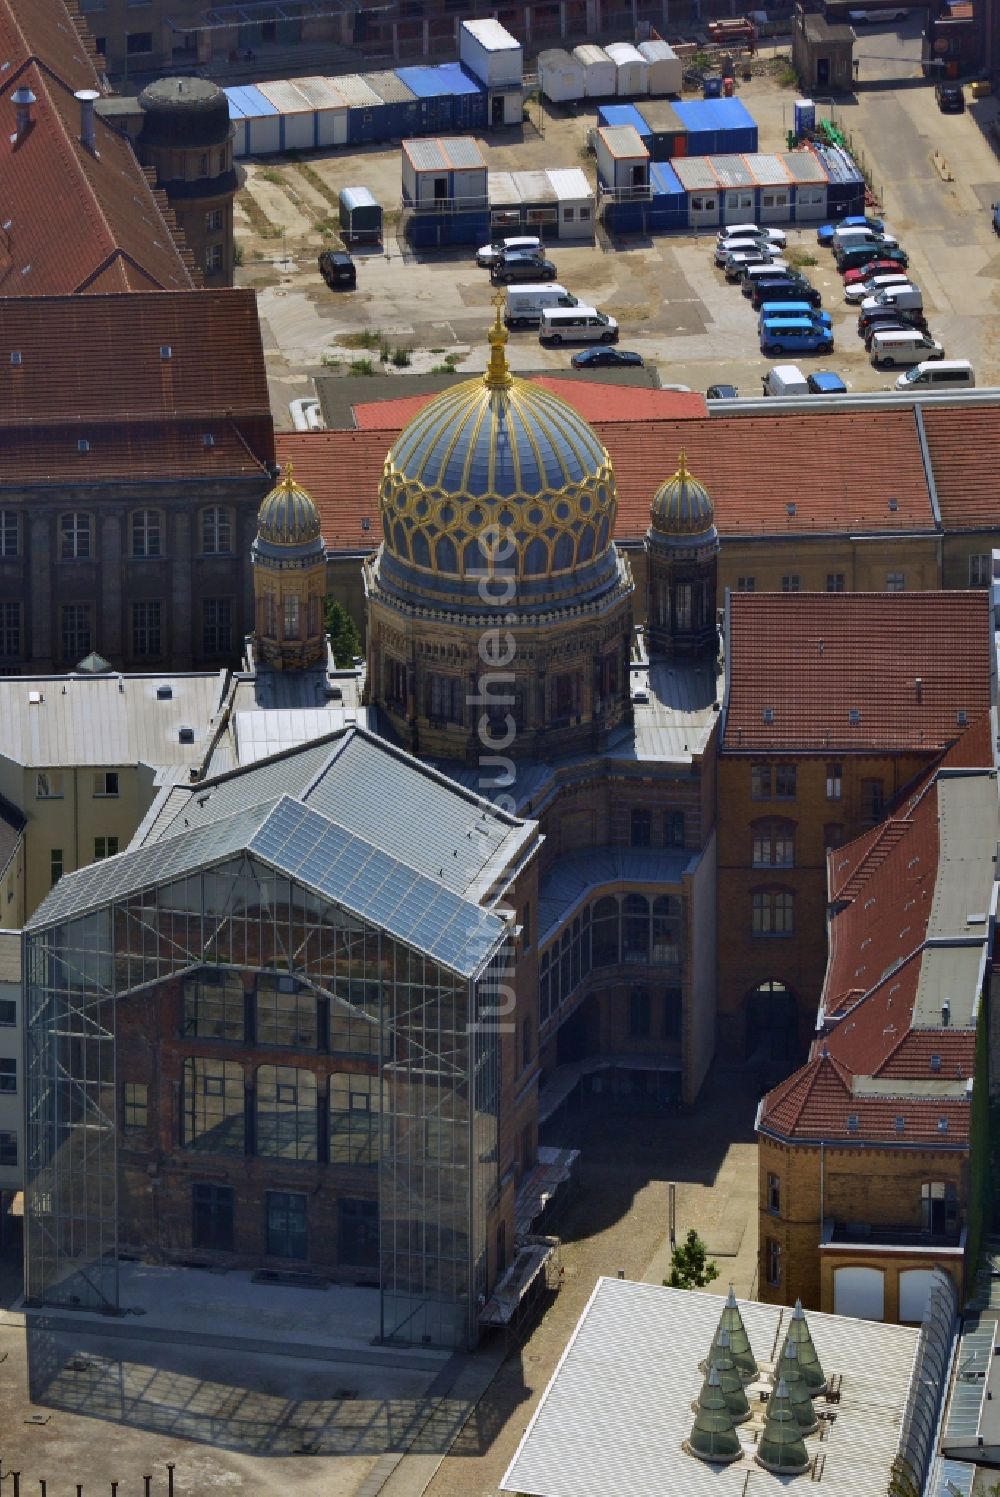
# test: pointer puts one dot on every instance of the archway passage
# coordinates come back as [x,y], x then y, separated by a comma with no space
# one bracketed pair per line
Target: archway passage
[771,1018]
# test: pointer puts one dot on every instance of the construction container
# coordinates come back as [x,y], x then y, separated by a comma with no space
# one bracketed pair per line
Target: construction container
[505,204]
[575,202]
[622,161]
[397,117]
[631,70]
[666,71]
[262,121]
[297,118]
[561,76]
[448,175]
[667,135]
[491,54]
[715,126]
[330,109]
[360,216]
[444,230]
[624,114]
[600,79]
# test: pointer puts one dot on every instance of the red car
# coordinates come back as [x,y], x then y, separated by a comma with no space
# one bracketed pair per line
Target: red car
[882,266]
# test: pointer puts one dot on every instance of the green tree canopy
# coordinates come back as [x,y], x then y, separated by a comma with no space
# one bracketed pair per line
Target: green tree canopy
[345,641]
[689,1265]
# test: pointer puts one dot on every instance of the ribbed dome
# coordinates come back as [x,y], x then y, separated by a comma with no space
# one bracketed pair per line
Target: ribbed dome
[682,506]
[288,525]
[500,464]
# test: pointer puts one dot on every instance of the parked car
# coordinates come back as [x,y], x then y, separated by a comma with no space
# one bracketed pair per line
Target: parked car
[950,98]
[883,316]
[826,383]
[518,267]
[864,17]
[885,266]
[784,288]
[737,265]
[776,312]
[754,273]
[721,392]
[489,254]
[860,254]
[726,247]
[753,231]
[892,323]
[825,232]
[861,289]
[337,268]
[799,335]
[600,358]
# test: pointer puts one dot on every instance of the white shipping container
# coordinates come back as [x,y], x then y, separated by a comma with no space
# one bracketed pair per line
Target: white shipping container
[298,119]
[600,74]
[490,53]
[331,110]
[631,70]
[263,134]
[666,71]
[576,203]
[561,76]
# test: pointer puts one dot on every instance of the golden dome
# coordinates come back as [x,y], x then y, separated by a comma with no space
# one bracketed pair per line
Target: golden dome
[498,466]
[682,506]
[287,515]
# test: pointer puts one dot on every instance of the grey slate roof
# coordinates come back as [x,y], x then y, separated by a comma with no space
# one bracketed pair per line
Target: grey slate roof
[579,874]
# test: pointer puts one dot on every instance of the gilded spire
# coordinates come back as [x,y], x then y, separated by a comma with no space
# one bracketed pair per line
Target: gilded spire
[682,475]
[498,375]
[287,482]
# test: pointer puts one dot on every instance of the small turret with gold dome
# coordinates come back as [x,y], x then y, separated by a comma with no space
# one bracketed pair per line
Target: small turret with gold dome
[682,551]
[289,578]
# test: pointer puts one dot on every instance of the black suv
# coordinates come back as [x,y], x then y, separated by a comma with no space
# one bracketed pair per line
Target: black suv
[950,98]
[337,268]
[784,288]
[521,267]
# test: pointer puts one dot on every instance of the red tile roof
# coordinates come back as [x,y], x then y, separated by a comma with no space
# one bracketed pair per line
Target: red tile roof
[800,664]
[126,450]
[964,447]
[48,31]
[594,401]
[88,361]
[817,1103]
[75,219]
[752,466]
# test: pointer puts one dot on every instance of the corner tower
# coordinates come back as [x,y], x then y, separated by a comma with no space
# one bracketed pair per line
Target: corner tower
[499,610]
[682,552]
[289,578]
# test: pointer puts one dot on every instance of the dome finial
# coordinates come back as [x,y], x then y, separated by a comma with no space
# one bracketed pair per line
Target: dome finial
[287,482]
[682,467]
[498,375]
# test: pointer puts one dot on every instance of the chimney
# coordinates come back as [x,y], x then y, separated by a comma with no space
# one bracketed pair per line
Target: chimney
[945,1013]
[88,135]
[23,100]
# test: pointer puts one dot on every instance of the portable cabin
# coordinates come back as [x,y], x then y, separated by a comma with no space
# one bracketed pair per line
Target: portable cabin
[600,78]
[366,119]
[488,52]
[625,114]
[561,76]
[811,185]
[360,216]
[296,116]
[262,121]
[666,71]
[398,116]
[238,121]
[330,108]
[468,97]
[622,161]
[717,126]
[575,202]
[666,135]
[631,70]
[668,204]
[444,175]
[505,203]
[845,186]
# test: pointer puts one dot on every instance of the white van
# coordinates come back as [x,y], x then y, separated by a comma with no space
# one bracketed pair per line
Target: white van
[488,254]
[946,374]
[850,237]
[785,379]
[576,325]
[907,298]
[909,346]
[525,304]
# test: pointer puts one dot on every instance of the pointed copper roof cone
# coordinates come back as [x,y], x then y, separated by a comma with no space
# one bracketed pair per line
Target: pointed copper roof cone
[739,1342]
[789,1372]
[809,1364]
[781,1448]
[730,1380]
[713,1434]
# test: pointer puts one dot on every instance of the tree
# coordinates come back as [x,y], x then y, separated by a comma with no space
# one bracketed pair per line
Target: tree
[689,1265]
[345,641]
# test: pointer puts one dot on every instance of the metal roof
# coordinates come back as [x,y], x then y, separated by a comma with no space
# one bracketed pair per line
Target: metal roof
[731,171]
[590,52]
[107,720]
[804,166]
[535,187]
[458,152]
[665,180]
[618,1407]
[260,735]
[768,170]
[570,184]
[579,875]
[357,93]
[623,141]
[322,93]
[390,87]
[662,118]
[286,97]
[694,172]
[492,36]
[969,829]
[973,1361]
[502,190]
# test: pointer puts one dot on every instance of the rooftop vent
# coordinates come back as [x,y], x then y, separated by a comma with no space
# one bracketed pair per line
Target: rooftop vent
[366,523]
[83,445]
[768,715]
[166,352]
[854,716]
[15,357]
[208,440]
[790,508]
[962,717]
[900,1124]
[852,1122]
[23,99]
[164,693]
[87,97]
[945,1012]
[894,505]
[935,1062]
[942,1125]
[185,735]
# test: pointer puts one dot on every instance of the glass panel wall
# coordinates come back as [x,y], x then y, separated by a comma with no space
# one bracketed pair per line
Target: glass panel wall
[613,931]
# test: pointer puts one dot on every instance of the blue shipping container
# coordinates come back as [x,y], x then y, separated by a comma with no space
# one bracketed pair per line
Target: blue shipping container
[623,114]
[440,230]
[369,126]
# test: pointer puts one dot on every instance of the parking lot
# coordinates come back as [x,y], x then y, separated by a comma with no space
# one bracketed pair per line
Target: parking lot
[937,174]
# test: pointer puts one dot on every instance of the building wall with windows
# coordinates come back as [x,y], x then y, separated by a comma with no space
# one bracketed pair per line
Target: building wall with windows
[11,1067]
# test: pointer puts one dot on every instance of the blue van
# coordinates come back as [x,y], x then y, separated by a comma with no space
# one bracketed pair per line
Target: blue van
[785,310]
[800,335]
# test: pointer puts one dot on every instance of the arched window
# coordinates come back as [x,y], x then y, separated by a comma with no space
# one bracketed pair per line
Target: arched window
[773,912]
[146,532]
[666,929]
[399,542]
[421,550]
[635,928]
[536,558]
[604,934]
[773,843]
[447,556]
[213,1105]
[355,1118]
[563,557]
[290,617]
[217,531]
[682,605]
[286,1113]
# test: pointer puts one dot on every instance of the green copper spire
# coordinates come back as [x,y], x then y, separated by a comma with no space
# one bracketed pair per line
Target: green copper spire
[713,1434]
[730,1380]
[739,1342]
[789,1372]
[781,1448]
[809,1364]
